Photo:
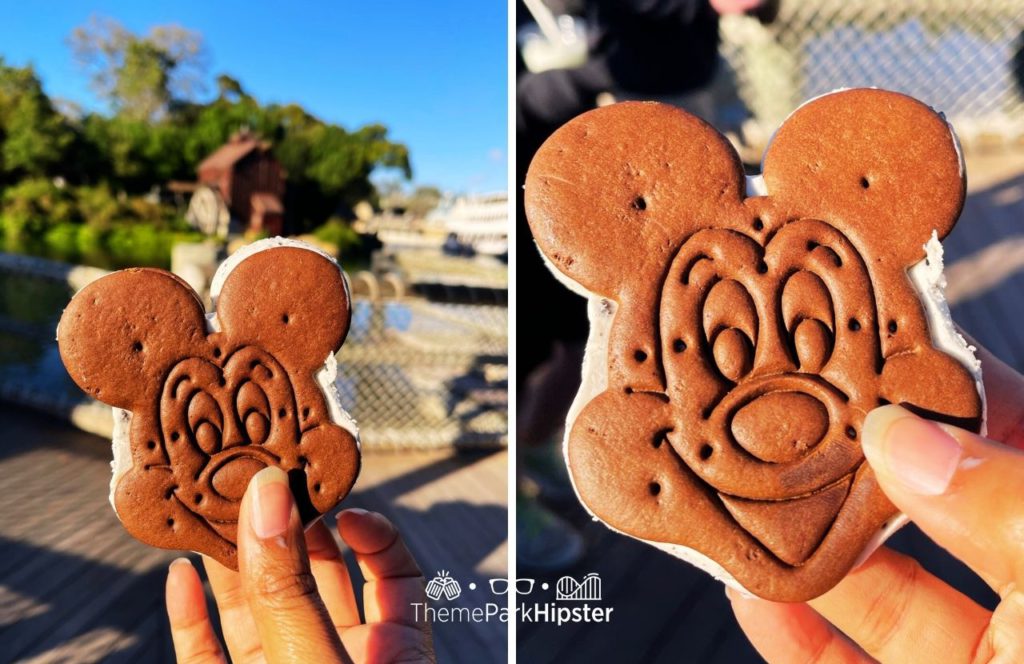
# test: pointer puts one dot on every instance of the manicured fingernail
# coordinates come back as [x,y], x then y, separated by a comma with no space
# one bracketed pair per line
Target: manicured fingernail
[912,451]
[358,512]
[271,502]
[180,561]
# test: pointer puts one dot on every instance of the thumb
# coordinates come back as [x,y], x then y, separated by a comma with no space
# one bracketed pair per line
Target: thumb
[291,619]
[961,489]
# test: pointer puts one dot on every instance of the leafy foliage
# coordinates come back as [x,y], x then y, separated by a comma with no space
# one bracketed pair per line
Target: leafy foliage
[339,233]
[34,137]
[88,224]
[73,186]
[140,75]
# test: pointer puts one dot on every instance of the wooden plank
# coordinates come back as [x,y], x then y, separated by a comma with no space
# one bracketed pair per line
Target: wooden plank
[120,600]
[82,600]
[87,591]
[435,520]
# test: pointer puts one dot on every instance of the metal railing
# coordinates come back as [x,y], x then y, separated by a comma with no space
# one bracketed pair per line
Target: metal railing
[413,373]
[964,58]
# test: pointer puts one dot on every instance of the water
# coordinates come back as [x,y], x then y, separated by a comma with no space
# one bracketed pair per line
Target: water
[30,309]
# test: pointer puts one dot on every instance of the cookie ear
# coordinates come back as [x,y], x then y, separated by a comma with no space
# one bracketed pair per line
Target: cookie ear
[616,190]
[288,300]
[880,164]
[116,334]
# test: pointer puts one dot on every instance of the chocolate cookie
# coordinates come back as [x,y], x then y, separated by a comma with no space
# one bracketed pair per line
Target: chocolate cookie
[209,402]
[738,339]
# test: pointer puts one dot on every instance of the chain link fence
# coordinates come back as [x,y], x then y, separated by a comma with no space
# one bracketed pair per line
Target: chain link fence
[964,58]
[413,373]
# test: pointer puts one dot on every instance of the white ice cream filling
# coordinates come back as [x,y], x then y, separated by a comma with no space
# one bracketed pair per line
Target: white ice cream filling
[325,376]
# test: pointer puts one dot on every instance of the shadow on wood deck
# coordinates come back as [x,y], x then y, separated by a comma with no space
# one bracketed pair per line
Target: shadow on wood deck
[75,587]
[666,610]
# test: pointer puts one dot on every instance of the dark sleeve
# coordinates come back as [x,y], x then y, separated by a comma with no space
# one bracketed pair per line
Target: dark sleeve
[682,10]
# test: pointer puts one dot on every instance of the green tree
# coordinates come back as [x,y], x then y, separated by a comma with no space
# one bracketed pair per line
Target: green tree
[229,88]
[158,131]
[135,155]
[140,75]
[34,137]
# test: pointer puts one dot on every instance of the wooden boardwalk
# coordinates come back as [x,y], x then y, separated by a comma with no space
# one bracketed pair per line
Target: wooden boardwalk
[75,587]
[667,611]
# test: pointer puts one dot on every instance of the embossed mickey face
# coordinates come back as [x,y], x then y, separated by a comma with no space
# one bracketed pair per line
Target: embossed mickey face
[751,335]
[210,409]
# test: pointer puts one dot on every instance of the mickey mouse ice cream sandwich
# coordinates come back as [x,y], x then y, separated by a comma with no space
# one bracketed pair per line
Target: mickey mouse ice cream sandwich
[742,328]
[203,402]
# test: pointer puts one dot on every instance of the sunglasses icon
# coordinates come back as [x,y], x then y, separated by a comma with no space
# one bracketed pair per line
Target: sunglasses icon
[500,586]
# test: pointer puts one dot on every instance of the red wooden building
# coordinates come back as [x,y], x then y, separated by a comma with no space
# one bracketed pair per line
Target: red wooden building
[249,180]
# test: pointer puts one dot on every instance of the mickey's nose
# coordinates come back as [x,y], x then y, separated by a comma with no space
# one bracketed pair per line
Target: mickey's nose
[780,426]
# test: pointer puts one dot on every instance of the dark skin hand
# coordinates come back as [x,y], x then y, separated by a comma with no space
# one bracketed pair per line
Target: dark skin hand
[964,491]
[292,599]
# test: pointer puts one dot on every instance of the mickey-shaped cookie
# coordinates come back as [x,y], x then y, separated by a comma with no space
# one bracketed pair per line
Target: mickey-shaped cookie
[212,402]
[737,342]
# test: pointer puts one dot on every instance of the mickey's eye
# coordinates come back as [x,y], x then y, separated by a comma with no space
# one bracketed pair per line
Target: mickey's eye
[254,410]
[208,437]
[809,317]
[206,422]
[730,326]
[733,354]
[256,427]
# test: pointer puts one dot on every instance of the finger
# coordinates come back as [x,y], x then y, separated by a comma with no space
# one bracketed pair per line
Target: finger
[291,619]
[191,631]
[959,488]
[236,621]
[898,612]
[1002,642]
[394,585]
[791,632]
[389,642]
[332,577]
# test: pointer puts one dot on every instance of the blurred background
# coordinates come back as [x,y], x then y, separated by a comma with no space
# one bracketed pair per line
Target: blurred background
[743,65]
[170,136]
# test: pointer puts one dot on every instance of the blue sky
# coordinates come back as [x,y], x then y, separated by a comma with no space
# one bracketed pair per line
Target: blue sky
[433,72]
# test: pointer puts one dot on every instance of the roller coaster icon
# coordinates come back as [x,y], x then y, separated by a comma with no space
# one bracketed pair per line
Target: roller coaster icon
[586,590]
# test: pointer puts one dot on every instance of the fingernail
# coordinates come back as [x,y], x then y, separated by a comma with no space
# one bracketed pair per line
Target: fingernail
[180,561]
[271,502]
[358,512]
[911,451]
